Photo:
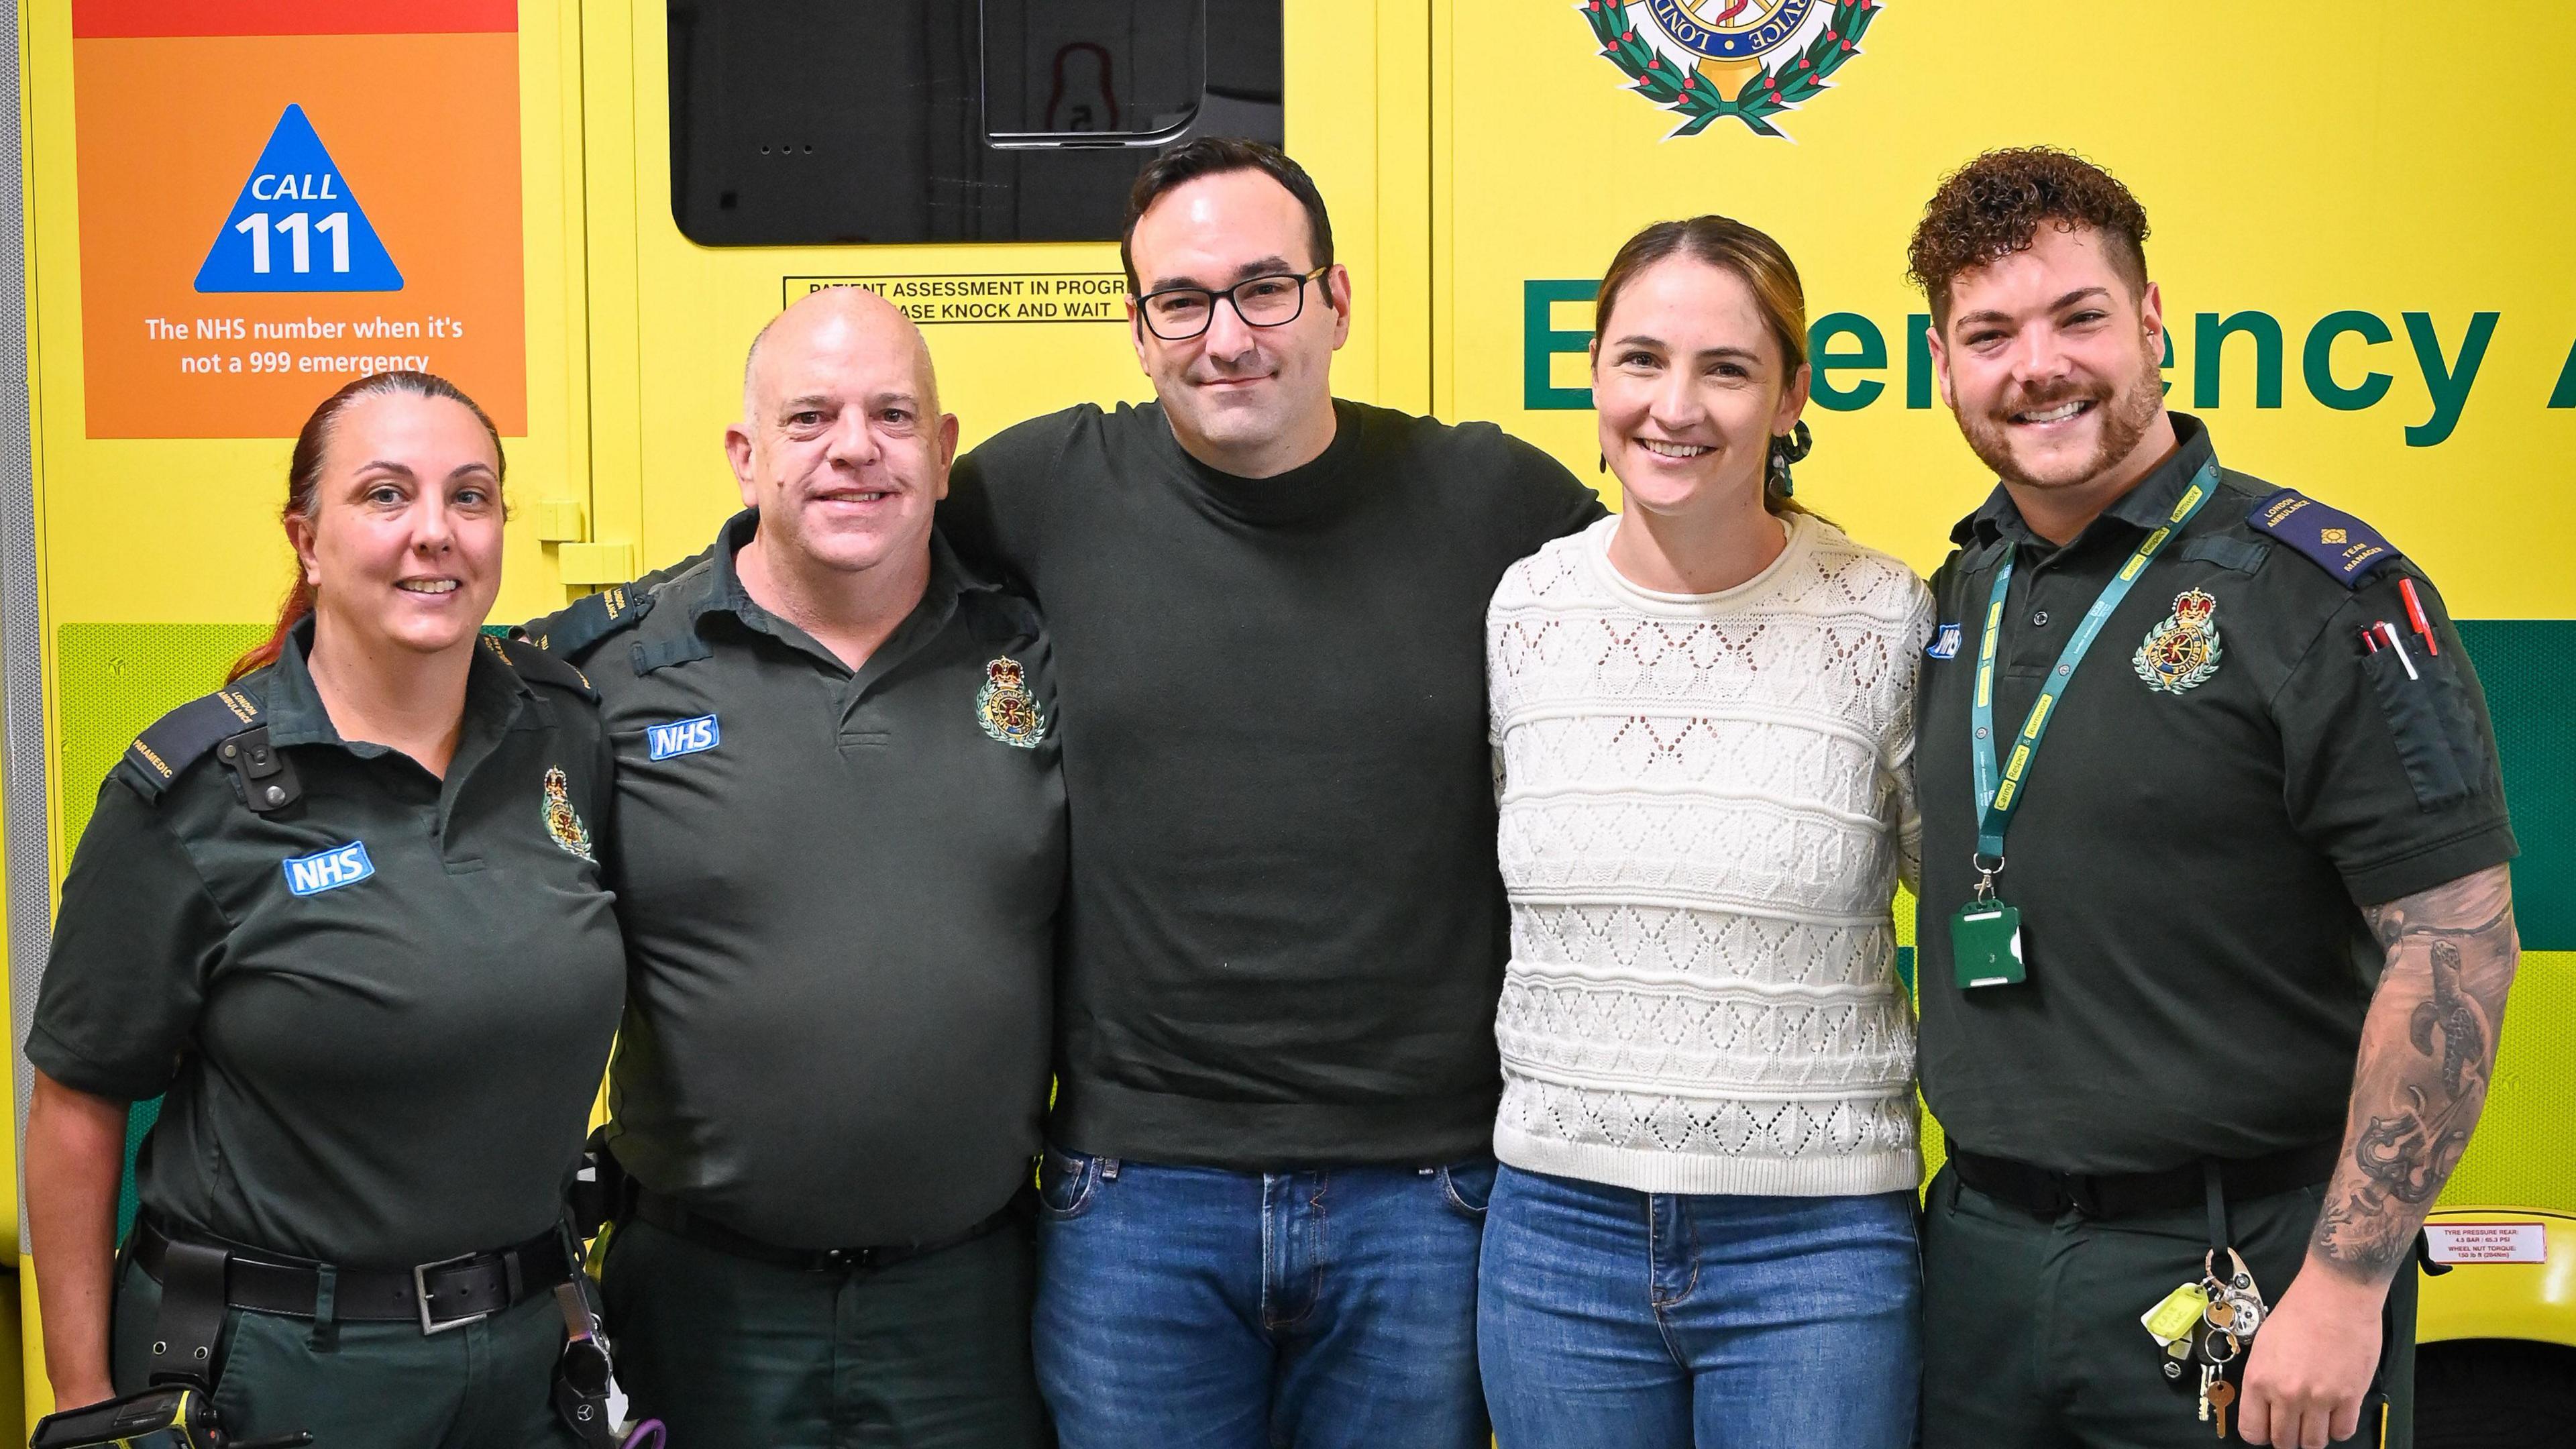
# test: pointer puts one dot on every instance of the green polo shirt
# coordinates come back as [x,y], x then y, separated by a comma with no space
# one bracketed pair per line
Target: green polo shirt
[376,1056]
[2190,864]
[839,891]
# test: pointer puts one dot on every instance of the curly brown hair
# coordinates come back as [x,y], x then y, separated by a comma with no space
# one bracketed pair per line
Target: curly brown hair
[1992,207]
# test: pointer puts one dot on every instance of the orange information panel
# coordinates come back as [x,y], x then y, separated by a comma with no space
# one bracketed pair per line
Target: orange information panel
[278,196]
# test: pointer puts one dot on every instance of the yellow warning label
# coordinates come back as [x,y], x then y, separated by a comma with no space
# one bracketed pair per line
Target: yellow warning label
[988,297]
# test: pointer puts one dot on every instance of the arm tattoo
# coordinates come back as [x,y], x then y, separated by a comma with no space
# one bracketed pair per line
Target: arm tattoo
[2427,1054]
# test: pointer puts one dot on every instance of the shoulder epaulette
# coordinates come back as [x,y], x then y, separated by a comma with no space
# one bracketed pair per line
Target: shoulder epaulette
[2330,538]
[533,661]
[591,618]
[180,738]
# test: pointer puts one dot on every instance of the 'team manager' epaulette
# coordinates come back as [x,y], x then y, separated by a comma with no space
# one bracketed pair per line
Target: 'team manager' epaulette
[2330,538]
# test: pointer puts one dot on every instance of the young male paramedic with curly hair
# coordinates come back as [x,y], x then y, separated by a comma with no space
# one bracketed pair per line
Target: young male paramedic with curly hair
[2215,923]
[1268,1161]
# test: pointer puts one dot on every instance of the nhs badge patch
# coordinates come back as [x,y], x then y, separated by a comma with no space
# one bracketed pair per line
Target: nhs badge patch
[683,737]
[329,870]
[1945,644]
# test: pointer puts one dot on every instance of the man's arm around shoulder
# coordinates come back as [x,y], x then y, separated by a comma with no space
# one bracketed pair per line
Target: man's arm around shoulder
[1542,495]
[997,486]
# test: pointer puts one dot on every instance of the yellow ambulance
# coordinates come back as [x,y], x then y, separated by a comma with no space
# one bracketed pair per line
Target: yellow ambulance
[581,210]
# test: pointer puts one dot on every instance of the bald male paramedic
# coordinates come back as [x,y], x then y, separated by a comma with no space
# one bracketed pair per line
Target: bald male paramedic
[840,854]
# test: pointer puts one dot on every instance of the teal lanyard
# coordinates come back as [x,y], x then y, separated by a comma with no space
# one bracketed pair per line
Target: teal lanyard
[1999,793]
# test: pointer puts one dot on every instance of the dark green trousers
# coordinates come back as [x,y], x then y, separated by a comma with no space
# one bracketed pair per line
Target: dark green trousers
[2031,1337]
[486,1385]
[928,1353]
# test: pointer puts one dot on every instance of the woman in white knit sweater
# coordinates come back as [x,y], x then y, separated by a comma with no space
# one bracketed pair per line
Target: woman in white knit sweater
[1703,1230]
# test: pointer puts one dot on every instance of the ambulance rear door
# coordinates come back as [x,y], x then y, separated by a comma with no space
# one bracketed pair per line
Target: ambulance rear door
[969,162]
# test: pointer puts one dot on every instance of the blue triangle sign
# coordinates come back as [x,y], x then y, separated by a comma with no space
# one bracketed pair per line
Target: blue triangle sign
[296,228]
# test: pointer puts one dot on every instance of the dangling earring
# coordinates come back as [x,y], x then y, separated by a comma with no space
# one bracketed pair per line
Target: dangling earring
[1605,462]
[1787,448]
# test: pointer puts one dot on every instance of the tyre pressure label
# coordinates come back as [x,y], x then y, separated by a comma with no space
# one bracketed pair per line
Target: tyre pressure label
[2502,1240]
[266,213]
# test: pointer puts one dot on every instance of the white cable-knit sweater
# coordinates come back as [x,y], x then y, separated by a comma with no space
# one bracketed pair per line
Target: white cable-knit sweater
[1706,799]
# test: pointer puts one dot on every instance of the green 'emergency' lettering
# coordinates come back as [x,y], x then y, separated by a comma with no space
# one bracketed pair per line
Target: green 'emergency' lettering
[1843,343]
[2449,384]
[2316,361]
[2208,347]
[1821,336]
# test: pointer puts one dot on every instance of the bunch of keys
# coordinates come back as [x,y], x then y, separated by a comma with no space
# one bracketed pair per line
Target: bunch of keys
[2206,1324]
[2242,1301]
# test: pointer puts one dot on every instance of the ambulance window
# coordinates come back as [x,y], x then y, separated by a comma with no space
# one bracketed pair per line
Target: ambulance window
[803,124]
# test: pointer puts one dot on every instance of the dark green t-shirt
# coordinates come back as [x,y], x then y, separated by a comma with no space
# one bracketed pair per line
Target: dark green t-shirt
[1286,928]
[2190,863]
[378,1014]
[840,894]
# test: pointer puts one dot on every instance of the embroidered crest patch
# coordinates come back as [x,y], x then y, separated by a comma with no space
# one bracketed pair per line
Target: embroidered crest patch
[561,821]
[1944,644]
[1005,707]
[2184,650]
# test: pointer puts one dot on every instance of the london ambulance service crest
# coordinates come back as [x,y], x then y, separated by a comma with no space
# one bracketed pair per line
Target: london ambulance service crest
[1706,60]
[1005,707]
[2182,651]
[561,821]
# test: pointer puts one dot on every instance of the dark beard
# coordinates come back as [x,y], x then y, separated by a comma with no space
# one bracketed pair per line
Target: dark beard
[2126,416]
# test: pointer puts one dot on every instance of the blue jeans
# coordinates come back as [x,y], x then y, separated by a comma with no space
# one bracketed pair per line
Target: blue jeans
[1194,1308]
[1614,1319]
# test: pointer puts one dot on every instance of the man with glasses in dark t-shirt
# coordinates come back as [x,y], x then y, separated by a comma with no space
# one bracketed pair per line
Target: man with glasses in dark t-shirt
[1286,931]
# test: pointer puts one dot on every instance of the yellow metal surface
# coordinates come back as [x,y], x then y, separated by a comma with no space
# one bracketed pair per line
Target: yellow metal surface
[671,319]
[2535,1301]
[558,520]
[608,562]
[2292,163]
[2525,1148]
[186,529]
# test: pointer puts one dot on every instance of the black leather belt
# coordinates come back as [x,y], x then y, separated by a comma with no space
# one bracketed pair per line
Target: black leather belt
[438,1296]
[2043,1193]
[706,1232]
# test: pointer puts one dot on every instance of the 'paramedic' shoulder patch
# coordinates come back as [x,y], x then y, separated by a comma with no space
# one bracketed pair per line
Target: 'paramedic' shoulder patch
[2333,540]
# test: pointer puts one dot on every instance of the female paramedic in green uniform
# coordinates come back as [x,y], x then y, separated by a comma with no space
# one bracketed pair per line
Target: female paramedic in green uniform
[344,917]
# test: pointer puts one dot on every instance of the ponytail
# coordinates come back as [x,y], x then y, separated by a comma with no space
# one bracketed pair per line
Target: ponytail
[297,608]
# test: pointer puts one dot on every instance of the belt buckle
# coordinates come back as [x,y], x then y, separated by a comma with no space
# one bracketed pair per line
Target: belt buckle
[420,1272]
[844,1260]
[2079,1192]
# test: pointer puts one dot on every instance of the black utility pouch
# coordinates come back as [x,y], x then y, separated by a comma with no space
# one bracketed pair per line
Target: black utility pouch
[2429,721]
[600,1194]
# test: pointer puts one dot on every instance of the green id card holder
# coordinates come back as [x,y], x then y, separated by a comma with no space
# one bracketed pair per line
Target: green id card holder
[1985,944]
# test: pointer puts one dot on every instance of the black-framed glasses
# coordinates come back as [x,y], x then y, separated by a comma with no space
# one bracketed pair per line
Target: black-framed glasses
[1274,299]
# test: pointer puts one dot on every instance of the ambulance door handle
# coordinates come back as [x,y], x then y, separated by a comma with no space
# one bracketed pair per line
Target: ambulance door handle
[559,520]
[1067,140]
[609,562]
